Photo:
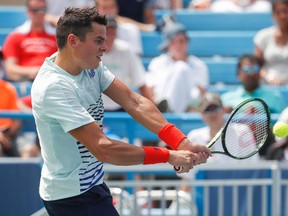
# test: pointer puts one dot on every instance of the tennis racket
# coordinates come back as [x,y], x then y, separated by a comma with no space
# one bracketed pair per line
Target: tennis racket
[244,132]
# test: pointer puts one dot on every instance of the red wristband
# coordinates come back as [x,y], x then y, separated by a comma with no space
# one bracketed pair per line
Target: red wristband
[155,155]
[171,135]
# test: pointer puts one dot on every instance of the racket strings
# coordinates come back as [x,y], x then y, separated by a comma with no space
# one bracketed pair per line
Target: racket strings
[247,130]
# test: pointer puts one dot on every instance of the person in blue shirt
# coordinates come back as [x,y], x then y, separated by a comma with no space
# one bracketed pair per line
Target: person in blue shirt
[248,72]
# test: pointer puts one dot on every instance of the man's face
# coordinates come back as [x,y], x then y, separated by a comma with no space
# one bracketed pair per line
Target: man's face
[89,52]
[178,45]
[213,114]
[280,14]
[108,7]
[249,74]
[36,11]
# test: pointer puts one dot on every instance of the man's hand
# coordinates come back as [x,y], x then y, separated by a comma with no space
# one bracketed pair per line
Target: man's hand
[201,150]
[184,159]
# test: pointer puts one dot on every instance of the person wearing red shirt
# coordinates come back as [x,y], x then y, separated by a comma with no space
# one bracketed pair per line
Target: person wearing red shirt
[26,48]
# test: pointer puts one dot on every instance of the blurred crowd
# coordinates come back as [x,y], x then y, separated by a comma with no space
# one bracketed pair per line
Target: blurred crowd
[176,81]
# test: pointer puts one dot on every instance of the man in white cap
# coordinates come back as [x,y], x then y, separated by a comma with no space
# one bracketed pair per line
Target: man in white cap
[176,76]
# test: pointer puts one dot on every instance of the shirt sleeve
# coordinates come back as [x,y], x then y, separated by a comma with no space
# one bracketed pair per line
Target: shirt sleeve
[106,77]
[261,38]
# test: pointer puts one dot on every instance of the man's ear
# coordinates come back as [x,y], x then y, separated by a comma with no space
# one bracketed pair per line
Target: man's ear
[72,40]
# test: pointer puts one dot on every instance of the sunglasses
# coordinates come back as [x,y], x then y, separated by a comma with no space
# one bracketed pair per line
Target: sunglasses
[38,10]
[251,69]
[212,109]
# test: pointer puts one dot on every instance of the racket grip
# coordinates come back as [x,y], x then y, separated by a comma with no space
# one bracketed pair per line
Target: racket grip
[178,169]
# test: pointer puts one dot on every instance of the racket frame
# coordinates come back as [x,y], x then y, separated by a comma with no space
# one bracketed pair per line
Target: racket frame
[222,131]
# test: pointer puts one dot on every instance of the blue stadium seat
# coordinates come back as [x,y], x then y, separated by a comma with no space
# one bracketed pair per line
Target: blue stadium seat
[206,43]
[222,71]
[3,35]
[208,21]
[10,17]
[22,88]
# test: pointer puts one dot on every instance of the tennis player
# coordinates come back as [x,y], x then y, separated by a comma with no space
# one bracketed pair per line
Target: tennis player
[68,110]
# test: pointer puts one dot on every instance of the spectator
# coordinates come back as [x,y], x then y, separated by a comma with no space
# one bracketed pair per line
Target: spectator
[133,9]
[271,45]
[175,76]
[125,64]
[28,142]
[13,142]
[128,29]
[9,128]
[200,4]
[236,6]
[29,44]
[166,5]
[142,11]
[56,8]
[213,115]
[248,72]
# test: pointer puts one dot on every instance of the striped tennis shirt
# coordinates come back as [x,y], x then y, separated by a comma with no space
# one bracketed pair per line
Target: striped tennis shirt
[62,102]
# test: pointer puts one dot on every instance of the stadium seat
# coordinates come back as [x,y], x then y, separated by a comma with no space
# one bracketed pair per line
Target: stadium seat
[22,88]
[207,21]
[3,35]
[205,43]
[10,17]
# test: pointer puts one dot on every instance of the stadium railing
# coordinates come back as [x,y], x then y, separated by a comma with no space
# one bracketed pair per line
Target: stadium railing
[234,189]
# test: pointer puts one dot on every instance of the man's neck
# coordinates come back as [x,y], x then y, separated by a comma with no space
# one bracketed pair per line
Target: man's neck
[65,61]
[37,27]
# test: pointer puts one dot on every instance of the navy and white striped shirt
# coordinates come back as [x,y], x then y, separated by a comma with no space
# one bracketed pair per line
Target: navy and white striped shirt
[62,102]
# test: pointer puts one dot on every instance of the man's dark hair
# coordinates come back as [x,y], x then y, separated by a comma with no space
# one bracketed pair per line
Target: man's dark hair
[77,21]
[250,57]
[275,2]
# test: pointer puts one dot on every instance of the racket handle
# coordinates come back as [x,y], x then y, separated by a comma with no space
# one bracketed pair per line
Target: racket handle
[178,169]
